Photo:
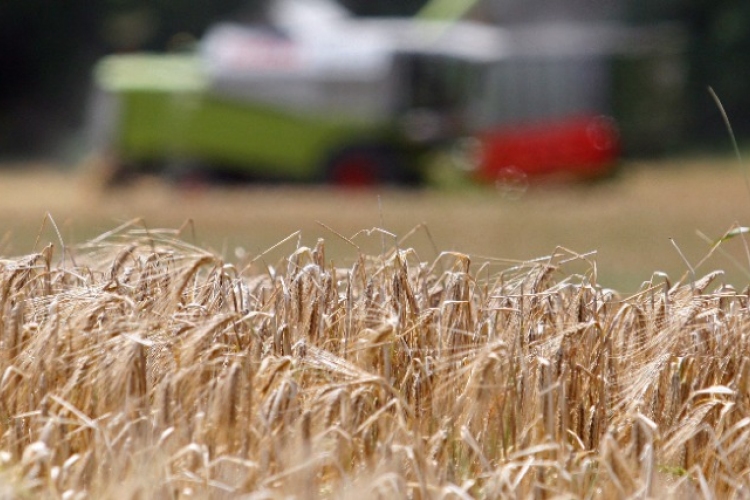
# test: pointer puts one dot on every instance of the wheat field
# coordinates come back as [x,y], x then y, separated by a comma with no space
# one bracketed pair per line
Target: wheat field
[137,365]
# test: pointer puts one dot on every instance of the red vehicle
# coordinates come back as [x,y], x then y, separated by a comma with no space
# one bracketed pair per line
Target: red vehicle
[581,147]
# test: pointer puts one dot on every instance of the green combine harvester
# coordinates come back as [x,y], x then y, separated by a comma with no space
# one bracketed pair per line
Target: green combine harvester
[318,95]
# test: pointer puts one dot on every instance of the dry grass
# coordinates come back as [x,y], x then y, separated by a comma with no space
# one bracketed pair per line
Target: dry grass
[139,366]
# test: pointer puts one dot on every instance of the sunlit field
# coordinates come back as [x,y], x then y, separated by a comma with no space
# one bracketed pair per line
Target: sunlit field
[291,343]
[627,221]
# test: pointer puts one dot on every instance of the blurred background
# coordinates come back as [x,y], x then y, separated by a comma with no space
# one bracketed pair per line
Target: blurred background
[534,79]
[48,49]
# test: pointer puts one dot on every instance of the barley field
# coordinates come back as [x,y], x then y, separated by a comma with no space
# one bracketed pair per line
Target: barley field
[139,363]
[145,367]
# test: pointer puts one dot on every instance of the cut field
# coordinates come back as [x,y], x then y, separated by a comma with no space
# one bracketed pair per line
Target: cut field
[628,221]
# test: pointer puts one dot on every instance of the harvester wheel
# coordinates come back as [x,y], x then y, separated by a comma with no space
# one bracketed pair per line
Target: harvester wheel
[364,167]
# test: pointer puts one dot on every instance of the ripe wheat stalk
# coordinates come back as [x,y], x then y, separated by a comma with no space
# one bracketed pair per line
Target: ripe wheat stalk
[149,368]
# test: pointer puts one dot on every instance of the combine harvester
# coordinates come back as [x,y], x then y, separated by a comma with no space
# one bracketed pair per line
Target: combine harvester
[319,95]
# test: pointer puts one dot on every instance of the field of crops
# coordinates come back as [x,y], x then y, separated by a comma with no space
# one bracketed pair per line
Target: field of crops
[147,368]
[381,364]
